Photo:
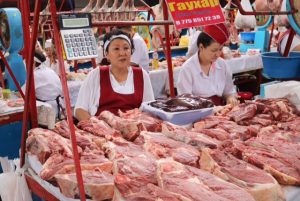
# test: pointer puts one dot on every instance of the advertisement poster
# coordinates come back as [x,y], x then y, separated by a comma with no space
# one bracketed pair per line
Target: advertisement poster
[191,13]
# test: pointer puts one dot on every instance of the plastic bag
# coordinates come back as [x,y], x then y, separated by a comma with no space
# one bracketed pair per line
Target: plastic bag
[13,186]
[245,21]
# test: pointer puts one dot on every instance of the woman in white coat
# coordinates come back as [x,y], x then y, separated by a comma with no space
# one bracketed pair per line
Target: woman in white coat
[47,83]
[205,74]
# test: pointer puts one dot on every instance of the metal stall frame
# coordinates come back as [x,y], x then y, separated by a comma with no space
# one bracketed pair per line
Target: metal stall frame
[292,32]
[30,103]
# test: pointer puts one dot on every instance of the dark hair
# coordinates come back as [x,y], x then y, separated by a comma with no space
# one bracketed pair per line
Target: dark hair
[204,39]
[116,32]
[39,55]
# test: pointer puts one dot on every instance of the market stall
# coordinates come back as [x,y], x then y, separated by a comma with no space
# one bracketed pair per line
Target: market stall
[180,148]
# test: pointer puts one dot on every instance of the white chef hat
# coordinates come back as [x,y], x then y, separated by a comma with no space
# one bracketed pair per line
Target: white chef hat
[48,43]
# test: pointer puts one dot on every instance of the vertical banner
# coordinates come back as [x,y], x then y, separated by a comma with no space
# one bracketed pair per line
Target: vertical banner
[195,13]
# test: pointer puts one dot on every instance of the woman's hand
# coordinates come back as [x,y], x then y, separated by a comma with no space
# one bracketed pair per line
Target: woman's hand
[232,100]
[81,114]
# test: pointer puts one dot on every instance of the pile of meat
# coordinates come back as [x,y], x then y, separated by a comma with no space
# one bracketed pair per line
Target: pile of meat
[176,62]
[243,153]
[183,102]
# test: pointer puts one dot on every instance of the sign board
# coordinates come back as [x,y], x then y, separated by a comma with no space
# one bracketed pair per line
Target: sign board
[195,13]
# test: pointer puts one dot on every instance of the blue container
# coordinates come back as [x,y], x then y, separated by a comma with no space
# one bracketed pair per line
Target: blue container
[247,36]
[277,66]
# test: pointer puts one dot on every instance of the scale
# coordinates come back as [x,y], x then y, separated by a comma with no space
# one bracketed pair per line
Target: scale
[77,36]
[260,38]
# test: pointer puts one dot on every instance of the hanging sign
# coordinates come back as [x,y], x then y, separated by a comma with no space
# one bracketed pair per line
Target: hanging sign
[195,13]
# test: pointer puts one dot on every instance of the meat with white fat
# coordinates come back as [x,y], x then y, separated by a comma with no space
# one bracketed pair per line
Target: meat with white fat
[261,185]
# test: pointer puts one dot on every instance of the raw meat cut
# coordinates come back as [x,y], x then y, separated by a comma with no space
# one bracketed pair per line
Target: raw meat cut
[285,172]
[210,122]
[150,122]
[197,184]
[98,128]
[120,148]
[195,139]
[149,192]
[43,143]
[98,185]
[129,129]
[243,111]
[89,160]
[217,133]
[261,185]
[84,139]
[163,147]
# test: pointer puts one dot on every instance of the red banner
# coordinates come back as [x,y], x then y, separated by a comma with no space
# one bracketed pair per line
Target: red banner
[192,13]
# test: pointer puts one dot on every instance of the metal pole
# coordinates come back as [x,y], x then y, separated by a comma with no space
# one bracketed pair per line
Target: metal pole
[11,74]
[58,46]
[168,51]
[130,23]
[289,43]
[30,98]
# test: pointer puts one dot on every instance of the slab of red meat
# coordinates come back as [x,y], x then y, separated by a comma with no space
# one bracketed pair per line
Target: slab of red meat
[290,125]
[236,131]
[83,138]
[258,119]
[210,122]
[195,139]
[98,185]
[243,111]
[280,108]
[217,133]
[130,129]
[197,184]
[274,133]
[282,149]
[283,171]
[261,185]
[43,143]
[163,147]
[98,127]
[150,122]
[120,148]
[89,160]
[133,172]
[150,192]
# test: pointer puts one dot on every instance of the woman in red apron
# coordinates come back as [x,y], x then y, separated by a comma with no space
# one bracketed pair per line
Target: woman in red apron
[205,74]
[118,86]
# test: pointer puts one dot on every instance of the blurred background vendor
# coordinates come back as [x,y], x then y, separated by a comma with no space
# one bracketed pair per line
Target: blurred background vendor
[47,83]
[205,74]
[140,55]
[117,86]
[51,59]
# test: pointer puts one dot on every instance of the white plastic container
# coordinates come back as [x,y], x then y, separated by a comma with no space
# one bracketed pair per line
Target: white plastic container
[179,118]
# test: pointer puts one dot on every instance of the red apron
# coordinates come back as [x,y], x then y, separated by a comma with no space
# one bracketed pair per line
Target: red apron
[112,101]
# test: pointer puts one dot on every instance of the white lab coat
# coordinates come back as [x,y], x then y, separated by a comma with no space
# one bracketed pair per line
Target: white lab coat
[194,81]
[140,55]
[47,85]
[89,93]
